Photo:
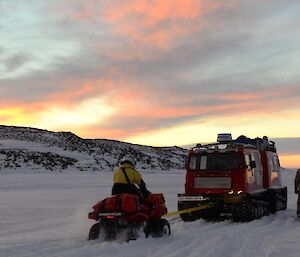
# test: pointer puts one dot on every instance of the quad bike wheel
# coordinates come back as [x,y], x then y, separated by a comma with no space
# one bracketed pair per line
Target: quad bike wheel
[110,230]
[160,228]
[94,232]
[137,230]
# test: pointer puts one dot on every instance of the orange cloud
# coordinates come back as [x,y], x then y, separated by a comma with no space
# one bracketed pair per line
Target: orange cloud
[155,11]
[264,101]
[245,96]
[265,94]
[74,90]
[156,24]
[120,108]
[56,116]
[94,103]
[144,102]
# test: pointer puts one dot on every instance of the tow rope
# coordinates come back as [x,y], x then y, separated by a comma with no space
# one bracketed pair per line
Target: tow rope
[197,208]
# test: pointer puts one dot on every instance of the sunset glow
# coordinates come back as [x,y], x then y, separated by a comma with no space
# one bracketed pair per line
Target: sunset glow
[153,72]
[91,112]
[290,161]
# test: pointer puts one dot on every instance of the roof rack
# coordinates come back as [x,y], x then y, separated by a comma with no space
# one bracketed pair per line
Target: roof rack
[262,144]
[213,146]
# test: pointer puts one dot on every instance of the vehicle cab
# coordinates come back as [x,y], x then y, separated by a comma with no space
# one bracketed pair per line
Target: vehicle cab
[223,167]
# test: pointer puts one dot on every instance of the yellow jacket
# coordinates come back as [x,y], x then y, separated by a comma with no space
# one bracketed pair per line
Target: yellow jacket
[133,175]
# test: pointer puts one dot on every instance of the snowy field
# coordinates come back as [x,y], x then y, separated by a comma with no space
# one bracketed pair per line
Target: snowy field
[45,214]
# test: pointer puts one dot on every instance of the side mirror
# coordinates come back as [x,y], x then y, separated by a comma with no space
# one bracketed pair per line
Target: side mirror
[252,164]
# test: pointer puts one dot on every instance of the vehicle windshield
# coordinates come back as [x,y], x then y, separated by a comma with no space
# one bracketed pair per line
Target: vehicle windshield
[216,161]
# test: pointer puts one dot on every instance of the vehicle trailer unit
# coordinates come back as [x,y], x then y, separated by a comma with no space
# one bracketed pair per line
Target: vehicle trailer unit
[241,178]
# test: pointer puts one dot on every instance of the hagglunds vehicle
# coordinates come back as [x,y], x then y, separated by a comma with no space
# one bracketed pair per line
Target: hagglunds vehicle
[239,179]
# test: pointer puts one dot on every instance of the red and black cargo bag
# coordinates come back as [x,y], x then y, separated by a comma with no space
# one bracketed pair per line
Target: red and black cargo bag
[125,203]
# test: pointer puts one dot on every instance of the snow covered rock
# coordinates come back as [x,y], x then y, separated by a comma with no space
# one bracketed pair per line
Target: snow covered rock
[31,148]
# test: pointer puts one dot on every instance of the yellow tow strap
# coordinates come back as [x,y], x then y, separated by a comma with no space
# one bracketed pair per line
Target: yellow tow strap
[197,208]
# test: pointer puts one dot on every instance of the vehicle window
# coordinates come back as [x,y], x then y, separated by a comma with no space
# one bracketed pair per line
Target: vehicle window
[277,161]
[193,162]
[271,163]
[258,168]
[247,160]
[216,161]
[276,164]
[203,162]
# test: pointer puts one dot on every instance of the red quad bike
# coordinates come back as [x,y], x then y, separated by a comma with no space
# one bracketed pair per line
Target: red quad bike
[124,216]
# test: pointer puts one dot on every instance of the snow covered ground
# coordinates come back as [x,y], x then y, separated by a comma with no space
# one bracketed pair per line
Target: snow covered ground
[45,214]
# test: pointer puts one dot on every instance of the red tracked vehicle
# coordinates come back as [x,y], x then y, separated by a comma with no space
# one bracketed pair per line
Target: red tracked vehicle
[124,216]
[240,178]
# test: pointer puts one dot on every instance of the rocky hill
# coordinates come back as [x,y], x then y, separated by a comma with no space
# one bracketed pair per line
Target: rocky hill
[36,149]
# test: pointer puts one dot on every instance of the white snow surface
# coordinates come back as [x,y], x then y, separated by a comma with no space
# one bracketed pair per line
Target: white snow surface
[45,214]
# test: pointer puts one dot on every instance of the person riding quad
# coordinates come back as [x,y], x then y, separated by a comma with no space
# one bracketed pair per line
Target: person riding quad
[128,180]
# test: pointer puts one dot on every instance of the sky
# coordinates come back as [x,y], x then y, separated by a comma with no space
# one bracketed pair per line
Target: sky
[153,72]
